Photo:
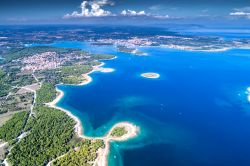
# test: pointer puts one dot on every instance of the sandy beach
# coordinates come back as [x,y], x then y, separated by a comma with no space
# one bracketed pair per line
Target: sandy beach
[88,79]
[97,68]
[78,126]
[132,131]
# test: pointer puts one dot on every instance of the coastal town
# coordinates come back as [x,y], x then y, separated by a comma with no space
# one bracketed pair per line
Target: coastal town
[50,60]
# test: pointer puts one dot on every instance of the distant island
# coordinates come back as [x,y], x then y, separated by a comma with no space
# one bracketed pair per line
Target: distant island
[150,75]
[129,50]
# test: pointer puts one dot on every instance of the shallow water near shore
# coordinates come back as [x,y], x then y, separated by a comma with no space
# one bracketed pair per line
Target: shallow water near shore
[196,113]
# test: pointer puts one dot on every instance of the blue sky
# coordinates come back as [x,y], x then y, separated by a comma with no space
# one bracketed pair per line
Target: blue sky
[84,11]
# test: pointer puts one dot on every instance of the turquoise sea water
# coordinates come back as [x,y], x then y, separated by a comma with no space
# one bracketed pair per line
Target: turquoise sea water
[195,114]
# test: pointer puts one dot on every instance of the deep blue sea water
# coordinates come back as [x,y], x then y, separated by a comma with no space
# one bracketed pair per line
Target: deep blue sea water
[195,114]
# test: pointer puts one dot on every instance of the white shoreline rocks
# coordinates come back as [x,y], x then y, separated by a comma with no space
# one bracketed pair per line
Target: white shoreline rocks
[150,75]
[248,93]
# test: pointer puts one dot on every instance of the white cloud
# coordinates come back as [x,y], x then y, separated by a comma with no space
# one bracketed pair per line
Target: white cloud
[91,9]
[133,13]
[161,17]
[241,12]
[142,13]
[95,9]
